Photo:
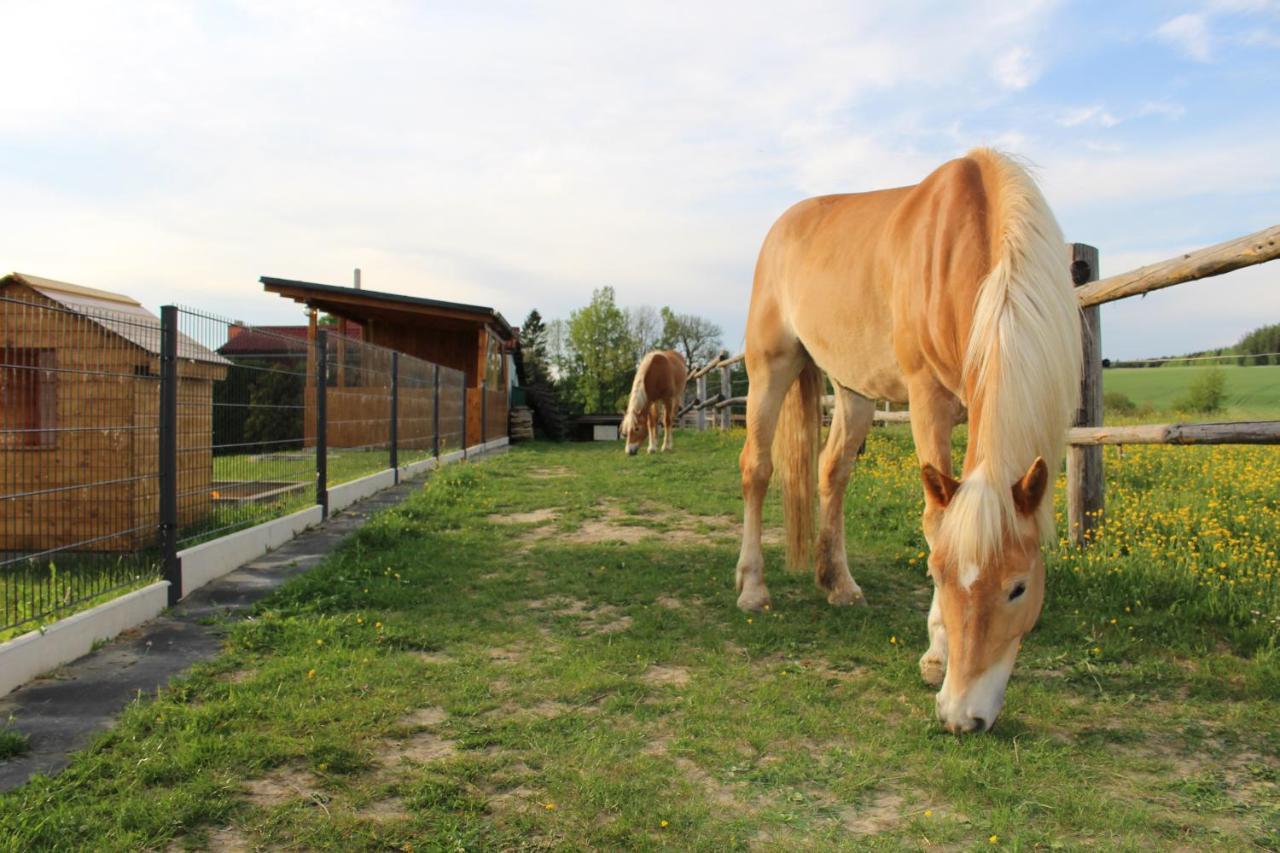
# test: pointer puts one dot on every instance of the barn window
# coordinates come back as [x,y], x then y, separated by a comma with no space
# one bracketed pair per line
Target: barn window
[28,397]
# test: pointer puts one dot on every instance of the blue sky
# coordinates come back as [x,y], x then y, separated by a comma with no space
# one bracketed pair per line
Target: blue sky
[520,155]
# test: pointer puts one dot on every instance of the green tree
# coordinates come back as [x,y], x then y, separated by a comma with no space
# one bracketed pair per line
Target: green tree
[694,337]
[1259,346]
[533,350]
[1207,392]
[602,353]
[644,328]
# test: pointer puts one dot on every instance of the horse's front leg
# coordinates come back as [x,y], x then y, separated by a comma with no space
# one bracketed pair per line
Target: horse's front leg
[934,414]
[769,383]
[651,416]
[933,663]
[668,420]
[849,426]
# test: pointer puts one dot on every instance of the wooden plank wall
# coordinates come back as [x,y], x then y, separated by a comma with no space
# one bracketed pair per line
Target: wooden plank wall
[97,481]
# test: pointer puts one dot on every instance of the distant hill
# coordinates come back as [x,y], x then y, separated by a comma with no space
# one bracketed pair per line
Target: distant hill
[1258,347]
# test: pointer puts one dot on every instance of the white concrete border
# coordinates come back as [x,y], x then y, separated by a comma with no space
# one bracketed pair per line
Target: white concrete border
[211,560]
[346,494]
[36,652]
[478,449]
[413,469]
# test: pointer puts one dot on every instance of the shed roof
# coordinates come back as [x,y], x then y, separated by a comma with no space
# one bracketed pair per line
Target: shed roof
[361,304]
[119,314]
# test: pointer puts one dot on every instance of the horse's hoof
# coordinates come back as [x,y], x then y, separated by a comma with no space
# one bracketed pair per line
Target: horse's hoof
[932,670]
[846,598]
[753,601]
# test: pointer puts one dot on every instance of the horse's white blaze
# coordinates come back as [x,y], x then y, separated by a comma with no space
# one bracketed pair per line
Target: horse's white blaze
[969,575]
[961,709]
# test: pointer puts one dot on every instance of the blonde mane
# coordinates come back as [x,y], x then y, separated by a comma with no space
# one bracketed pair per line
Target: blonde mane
[1021,367]
[639,400]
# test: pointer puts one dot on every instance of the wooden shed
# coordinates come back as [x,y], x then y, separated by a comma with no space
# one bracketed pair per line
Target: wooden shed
[469,338]
[79,419]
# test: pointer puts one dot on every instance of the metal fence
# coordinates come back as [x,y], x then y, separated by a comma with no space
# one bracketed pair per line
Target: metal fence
[78,432]
[125,438]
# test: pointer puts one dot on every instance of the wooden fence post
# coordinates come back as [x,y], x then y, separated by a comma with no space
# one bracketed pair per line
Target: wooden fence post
[726,391]
[701,391]
[1085,497]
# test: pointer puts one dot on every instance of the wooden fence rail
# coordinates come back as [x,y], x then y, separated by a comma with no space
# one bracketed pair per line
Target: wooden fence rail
[1234,432]
[1085,495]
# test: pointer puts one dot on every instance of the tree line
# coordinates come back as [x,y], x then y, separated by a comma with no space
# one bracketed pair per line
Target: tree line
[589,360]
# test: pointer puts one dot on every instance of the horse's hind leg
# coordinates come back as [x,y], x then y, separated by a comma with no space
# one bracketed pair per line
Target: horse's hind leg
[771,376]
[850,423]
[668,419]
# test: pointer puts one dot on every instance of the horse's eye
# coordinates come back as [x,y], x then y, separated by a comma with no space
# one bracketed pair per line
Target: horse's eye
[1017,591]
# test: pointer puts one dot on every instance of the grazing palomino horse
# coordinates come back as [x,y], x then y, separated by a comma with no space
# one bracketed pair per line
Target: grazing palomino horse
[953,295]
[660,378]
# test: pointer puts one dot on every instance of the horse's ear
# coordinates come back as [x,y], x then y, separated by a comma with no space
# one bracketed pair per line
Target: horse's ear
[1029,491]
[939,488]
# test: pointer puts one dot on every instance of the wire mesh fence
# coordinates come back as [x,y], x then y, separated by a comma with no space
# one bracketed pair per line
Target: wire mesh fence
[245,443]
[358,408]
[125,437]
[79,386]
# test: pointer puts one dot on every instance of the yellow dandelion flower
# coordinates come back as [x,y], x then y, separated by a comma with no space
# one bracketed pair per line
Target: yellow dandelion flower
[663,824]
[550,807]
[311,673]
[994,839]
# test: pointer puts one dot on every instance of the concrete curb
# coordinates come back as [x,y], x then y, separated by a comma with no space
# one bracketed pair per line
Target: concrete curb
[37,652]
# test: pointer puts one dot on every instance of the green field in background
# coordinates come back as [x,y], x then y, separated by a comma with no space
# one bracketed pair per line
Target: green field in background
[1252,392]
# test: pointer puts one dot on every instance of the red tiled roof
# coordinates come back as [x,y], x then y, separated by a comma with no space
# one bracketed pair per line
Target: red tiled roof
[264,340]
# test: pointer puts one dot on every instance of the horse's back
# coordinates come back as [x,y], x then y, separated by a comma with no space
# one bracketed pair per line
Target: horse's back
[665,376]
[842,272]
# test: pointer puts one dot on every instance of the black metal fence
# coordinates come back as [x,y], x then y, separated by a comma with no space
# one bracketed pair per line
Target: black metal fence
[125,438]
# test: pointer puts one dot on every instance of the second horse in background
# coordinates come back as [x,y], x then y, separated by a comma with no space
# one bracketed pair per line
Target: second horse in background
[660,379]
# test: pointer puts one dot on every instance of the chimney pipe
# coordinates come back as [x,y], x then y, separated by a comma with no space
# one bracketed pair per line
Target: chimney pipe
[357,284]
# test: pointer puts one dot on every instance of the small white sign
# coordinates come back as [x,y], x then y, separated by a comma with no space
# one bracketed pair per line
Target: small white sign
[604,432]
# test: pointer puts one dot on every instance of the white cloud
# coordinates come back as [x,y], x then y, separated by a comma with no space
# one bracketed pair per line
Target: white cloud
[1016,69]
[499,156]
[1199,167]
[1260,37]
[1190,34]
[1091,115]
[1168,109]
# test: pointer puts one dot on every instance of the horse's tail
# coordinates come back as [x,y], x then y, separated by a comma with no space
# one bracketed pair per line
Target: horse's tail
[795,451]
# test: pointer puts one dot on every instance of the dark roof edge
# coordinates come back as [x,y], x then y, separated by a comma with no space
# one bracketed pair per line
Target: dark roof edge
[393,297]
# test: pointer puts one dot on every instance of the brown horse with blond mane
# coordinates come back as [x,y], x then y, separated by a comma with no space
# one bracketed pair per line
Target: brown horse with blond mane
[953,295]
[660,380]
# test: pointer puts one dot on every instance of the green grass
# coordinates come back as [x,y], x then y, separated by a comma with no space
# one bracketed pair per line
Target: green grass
[449,681]
[40,598]
[11,743]
[1253,393]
